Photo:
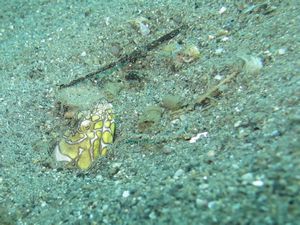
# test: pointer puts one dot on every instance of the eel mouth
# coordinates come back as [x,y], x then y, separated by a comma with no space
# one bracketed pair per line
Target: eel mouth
[59,156]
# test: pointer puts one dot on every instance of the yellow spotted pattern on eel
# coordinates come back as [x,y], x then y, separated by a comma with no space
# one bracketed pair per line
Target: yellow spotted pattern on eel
[89,141]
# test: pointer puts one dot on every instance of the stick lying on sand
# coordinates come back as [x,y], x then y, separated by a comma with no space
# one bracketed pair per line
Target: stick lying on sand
[139,53]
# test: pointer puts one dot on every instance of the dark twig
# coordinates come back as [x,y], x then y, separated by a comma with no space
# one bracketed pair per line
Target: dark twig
[130,58]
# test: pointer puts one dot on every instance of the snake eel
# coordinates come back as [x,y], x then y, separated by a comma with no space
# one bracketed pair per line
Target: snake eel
[89,140]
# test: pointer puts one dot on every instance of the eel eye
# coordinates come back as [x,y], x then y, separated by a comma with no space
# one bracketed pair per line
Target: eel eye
[85,125]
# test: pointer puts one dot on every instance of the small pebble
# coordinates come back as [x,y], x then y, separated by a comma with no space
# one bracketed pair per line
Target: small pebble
[211,37]
[247,177]
[238,123]
[152,215]
[211,153]
[201,202]
[199,135]
[218,77]
[275,133]
[99,177]
[43,204]
[281,51]
[105,207]
[253,64]
[219,51]
[258,183]
[203,186]
[178,173]
[225,39]
[235,166]
[212,204]
[144,29]
[222,10]
[107,21]
[126,194]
